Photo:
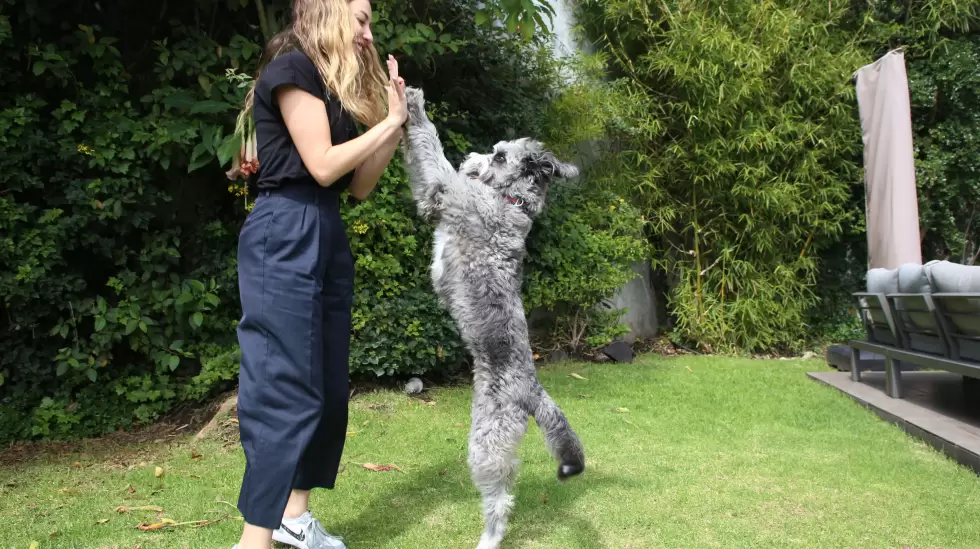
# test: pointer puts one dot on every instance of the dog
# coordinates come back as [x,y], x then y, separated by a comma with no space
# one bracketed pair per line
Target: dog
[482,214]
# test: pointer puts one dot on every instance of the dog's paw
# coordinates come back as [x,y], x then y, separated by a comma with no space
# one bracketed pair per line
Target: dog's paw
[415,101]
[569,469]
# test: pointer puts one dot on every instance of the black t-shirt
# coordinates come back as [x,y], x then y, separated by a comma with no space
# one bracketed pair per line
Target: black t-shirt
[279,161]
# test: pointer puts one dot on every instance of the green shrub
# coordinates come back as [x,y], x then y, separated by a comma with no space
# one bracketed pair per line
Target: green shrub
[945,92]
[579,254]
[112,276]
[735,132]
[118,290]
[399,327]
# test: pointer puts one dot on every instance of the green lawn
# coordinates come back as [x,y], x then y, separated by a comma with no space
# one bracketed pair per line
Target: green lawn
[685,452]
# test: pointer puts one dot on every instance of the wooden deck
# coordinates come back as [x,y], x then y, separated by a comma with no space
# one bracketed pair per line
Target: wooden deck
[933,409]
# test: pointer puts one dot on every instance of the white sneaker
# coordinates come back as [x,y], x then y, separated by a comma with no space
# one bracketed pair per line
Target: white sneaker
[306,532]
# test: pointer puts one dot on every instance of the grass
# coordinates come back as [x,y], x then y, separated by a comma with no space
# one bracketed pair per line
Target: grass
[685,452]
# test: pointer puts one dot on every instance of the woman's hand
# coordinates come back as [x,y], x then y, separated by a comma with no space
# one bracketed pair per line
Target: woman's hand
[397,109]
[309,126]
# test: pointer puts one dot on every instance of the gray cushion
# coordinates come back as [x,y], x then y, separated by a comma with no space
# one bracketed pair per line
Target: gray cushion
[950,277]
[913,279]
[883,281]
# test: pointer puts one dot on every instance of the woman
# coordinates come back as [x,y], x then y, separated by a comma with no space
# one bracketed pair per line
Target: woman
[295,267]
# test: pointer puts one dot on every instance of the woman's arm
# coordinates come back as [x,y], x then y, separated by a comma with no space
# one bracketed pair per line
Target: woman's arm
[306,119]
[367,174]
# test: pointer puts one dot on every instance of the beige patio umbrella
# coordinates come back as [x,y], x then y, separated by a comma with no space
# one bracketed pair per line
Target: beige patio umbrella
[892,207]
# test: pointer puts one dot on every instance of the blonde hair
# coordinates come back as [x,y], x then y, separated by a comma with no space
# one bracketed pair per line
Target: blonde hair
[322,29]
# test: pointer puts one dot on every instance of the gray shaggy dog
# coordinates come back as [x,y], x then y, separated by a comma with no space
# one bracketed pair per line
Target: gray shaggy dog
[483,213]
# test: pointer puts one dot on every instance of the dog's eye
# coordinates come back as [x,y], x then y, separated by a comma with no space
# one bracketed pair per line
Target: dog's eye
[500,157]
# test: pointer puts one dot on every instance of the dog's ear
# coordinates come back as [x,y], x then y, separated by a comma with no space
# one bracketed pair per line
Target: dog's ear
[544,167]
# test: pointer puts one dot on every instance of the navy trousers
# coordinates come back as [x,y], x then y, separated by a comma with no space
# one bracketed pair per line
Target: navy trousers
[296,279]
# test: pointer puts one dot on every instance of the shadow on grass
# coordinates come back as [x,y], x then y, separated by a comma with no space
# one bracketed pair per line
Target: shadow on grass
[543,505]
[418,492]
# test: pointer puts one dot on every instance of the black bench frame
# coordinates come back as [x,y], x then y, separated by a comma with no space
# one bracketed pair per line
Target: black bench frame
[890,335]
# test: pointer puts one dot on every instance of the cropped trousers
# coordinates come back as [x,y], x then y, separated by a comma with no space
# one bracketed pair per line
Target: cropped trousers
[296,279]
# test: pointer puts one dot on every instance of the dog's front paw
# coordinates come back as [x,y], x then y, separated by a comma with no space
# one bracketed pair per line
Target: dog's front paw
[415,101]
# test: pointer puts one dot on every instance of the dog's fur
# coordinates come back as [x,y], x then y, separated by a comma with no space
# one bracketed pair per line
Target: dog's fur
[483,213]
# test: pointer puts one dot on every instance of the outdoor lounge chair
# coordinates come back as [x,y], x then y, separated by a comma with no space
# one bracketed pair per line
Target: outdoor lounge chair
[927,315]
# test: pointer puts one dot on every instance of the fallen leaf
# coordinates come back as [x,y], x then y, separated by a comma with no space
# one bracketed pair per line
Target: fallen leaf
[170,523]
[366,421]
[53,534]
[573,375]
[102,521]
[32,506]
[195,455]
[430,403]
[351,433]
[195,476]
[76,465]
[158,472]
[33,545]
[621,410]
[124,509]
[536,356]
[373,467]
[461,425]
[131,489]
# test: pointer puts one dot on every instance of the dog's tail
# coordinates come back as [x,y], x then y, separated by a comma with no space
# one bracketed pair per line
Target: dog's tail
[559,437]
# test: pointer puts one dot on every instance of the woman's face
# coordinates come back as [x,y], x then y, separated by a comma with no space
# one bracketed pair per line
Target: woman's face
[361,12]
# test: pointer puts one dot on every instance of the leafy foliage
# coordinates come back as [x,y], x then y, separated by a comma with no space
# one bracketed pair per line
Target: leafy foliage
[99,295]
[733,126]
[940,43]
[580,250]
[738,137]
[118,292]
[945,94]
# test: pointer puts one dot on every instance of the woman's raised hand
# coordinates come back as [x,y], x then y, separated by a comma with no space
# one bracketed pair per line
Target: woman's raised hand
[397,109]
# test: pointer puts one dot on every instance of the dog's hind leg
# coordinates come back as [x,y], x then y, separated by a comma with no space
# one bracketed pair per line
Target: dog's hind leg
[497,430]
[559,437]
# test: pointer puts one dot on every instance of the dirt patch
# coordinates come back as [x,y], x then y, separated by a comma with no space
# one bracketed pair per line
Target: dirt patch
[661,346]
[120,447]
[216,419]
[227,412]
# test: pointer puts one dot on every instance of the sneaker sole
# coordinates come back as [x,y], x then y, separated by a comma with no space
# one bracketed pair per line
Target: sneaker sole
[281,537]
